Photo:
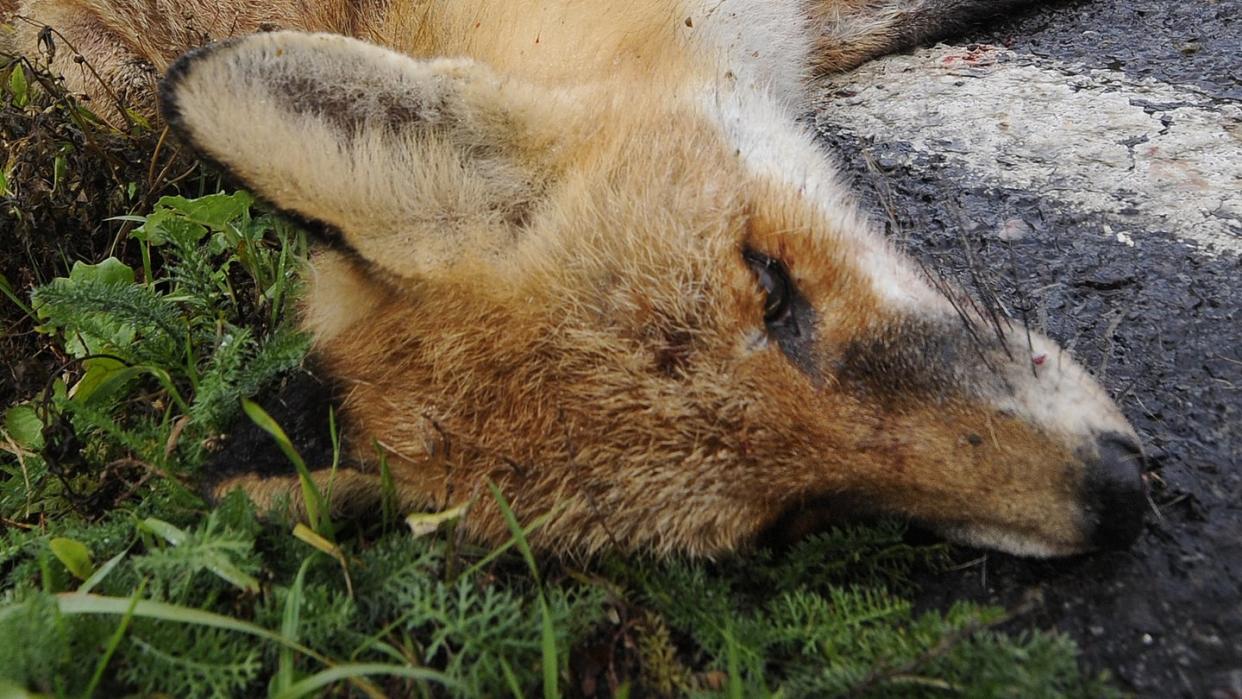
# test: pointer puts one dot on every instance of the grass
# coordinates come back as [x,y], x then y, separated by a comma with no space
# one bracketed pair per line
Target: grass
[117,578]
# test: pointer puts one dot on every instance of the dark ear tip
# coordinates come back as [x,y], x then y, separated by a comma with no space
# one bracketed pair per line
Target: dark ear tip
[170,109]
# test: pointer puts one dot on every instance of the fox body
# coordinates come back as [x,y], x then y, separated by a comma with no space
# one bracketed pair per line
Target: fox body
[584,251]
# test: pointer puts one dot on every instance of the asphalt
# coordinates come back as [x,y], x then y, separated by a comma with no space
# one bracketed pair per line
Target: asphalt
[1186,42]
[1144,287]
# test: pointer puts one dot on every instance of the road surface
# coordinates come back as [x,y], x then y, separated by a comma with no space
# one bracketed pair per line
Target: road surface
[1089,154]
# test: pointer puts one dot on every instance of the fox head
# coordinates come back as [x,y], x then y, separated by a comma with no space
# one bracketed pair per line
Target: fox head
[647,307]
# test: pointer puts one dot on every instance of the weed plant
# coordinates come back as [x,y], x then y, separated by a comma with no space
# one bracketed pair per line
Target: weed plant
[116,578]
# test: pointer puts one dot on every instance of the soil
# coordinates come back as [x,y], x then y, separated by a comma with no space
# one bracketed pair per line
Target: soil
[67,177]
[1160,323]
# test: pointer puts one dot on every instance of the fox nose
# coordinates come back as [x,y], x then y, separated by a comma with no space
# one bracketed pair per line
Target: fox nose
[1116,492]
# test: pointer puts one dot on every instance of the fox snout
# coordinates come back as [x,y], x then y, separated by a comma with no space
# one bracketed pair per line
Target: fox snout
[1115,493]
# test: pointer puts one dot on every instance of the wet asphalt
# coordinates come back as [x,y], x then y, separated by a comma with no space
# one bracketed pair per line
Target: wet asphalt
[1185,42]
[1160,323]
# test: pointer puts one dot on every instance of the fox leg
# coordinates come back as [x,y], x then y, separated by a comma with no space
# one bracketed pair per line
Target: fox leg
[251,460]
[848,33]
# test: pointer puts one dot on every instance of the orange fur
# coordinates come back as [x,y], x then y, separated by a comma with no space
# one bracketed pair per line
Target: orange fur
[556,266]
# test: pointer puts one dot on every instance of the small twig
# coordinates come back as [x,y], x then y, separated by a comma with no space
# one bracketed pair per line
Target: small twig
[155,155]
[45,39]
[67,102]
[21,461]
[20,525]
[1152,503]
[968,564]
[885,195]
[174,435]
[151,468]
[1109,332]
[154,186]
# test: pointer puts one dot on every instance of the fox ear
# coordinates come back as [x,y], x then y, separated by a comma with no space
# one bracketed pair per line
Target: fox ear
[416,165]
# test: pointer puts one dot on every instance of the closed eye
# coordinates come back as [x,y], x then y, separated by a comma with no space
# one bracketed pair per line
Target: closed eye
[778,305]
[788,316]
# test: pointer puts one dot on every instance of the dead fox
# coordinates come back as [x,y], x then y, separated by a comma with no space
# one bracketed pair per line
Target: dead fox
[583,250]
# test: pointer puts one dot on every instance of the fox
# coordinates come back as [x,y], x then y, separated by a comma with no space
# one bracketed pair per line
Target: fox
[585,253]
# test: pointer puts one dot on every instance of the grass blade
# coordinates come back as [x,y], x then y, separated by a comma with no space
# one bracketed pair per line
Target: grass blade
[98,576]
[76,603]
[316,509]
[115,640]
[308,536]
[388,492]
[7,289]
[547,638]
[734,664]
[499,550]
[511,679]
[547,632]
[424,523]
[519,534]
[353,671]
[289,629]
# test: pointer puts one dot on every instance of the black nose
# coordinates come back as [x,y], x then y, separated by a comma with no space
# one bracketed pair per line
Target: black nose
[1116,493]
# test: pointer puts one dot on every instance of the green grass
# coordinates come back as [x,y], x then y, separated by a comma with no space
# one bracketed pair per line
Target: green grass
[116,578]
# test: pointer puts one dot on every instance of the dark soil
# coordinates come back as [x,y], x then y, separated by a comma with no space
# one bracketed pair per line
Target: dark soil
[69,174]
[1160,324]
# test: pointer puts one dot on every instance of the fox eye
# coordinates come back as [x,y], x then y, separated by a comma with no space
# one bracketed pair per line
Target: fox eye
[774,279]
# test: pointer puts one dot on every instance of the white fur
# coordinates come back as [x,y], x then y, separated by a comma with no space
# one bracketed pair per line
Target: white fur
[754,112]
[760,46]
[1016,543]
[762,51]
[773,146]
[1059,396]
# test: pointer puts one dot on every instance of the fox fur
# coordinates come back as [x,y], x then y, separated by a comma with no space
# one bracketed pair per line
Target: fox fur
[583,250]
